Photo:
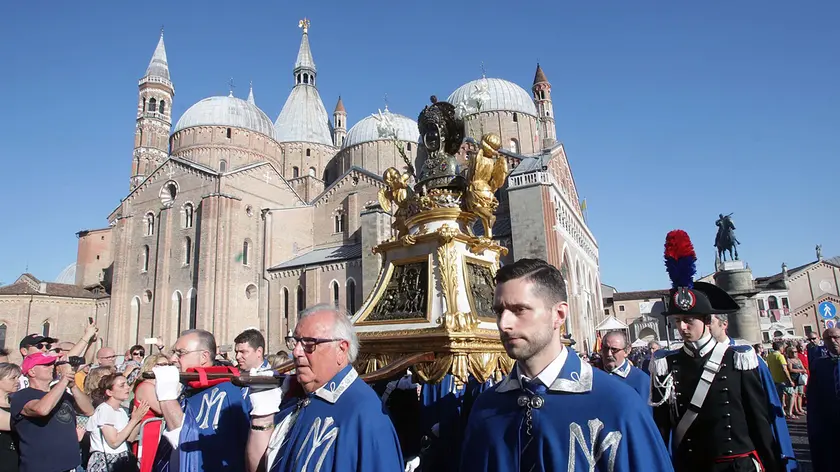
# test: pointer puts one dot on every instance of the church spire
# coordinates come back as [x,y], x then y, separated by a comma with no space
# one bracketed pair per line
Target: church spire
[305,70]
[251,94]
[158,67]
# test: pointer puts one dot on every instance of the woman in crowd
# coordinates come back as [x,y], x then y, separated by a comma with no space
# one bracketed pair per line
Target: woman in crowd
[9,374]
[144,392]
[797,370]
[110,427]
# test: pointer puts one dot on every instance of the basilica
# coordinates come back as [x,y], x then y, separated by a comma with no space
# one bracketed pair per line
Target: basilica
[232,220]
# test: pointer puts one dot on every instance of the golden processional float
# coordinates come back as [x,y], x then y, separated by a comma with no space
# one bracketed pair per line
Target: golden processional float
[433,298]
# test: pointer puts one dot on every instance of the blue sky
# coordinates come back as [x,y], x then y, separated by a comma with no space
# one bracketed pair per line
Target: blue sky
[671,111]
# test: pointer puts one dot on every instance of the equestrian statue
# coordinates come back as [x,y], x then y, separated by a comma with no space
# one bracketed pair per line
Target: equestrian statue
[725,239]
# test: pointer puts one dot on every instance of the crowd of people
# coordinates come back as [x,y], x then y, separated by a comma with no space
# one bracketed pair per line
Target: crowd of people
[709,406]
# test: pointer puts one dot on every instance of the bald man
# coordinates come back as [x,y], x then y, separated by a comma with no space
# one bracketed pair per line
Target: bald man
[106,357]
[824,403]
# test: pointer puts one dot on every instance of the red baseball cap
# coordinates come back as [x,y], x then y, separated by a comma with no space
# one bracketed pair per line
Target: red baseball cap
[38,358]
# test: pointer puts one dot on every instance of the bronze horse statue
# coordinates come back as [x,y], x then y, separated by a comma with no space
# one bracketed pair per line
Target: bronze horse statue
[725,239]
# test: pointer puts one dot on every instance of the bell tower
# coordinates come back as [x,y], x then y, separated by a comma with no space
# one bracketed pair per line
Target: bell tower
[154,117]
[339,123]
[542,99]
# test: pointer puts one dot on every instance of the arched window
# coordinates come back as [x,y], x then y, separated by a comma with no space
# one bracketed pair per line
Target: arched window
[339,221]
[152,104]
[312,172]
[2,336]
[514,145]
[308,152]
[144,259]
[515,118]
[150,224]
[223,166]
[408,147]
[773,302]
[189,213]
[144,103]
[187,250]
[351,296]
[286,306]
[176,310]
[228,133]
[306,78]
[193,313]
[246,247]
[295,172]
[162,107]
[335,293]
[301,301]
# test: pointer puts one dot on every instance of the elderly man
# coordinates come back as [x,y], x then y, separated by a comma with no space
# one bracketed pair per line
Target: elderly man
[614,350]
[824,403]
[337,423]
[653,346]
[775,411]
[553,411]
[44,418]
[106,356]
[207,424]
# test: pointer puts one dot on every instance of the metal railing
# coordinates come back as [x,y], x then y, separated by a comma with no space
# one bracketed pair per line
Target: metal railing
[140,437]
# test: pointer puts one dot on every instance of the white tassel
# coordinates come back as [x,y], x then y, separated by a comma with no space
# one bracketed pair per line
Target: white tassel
[746,360]
[659,365]
[665,387]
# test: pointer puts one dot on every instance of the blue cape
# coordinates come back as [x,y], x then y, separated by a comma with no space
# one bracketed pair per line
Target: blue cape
[635,378]
[823,412]
[213,434]
[341,426]
[587,416]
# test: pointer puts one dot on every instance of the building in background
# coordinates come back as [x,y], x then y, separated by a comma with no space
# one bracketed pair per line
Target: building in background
[233,220]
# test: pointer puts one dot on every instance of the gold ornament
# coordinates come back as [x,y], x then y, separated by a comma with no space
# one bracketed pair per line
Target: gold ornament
[486,174]
[397,191]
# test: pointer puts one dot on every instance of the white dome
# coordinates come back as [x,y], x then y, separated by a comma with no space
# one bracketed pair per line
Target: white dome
[373,128]
[501,96]
[67,276]
[226,111]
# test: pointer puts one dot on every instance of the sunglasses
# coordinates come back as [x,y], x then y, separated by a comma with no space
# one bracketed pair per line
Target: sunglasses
[42,346]
[138,353]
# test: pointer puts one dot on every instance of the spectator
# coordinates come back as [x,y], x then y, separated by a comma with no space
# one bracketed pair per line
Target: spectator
[106,357]
[276,361]
[4,355]
[778,366]
[9,374]
[110,428]
[44,417]
[824,404]
[133,361]
[798,376]
[31,344]
[144,391]
[759,350]
[653,346]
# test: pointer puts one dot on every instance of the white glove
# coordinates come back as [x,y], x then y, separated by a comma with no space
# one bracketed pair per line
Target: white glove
[174,437]
[412,464]
[267,402]
[167,382]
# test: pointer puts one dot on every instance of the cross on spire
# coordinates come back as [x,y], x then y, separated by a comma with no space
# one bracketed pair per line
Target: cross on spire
[231,85]
[304,24]
[483,71]
[161,30]
[386,101]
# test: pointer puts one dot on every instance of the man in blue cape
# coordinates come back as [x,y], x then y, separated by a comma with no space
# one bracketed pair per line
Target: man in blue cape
[776,413]
[553,411]
[335,421]
[824,404]
[207,425]
[614,349]
[249,347]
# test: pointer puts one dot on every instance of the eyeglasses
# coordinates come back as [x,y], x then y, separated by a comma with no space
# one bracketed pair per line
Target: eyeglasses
[107,357]
[42,346]
[612,350]
[181,353]
[308,344]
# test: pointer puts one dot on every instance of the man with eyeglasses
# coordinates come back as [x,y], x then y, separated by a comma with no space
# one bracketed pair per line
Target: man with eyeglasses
[337,422]
[824,403]
[206,422]
[614,349]
[814,348]
[30,345]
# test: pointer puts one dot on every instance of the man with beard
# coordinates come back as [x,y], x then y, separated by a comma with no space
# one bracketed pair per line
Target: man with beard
[708,400]
[824,403]
[614,350]
[553,411]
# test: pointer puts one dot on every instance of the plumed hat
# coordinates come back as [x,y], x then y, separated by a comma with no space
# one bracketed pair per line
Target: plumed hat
[687,297]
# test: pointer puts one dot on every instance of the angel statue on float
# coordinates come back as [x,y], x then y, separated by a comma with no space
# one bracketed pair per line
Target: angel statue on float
[486,174]
[397,191]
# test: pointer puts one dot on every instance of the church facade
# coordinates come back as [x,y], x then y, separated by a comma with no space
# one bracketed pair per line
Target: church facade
[233,220]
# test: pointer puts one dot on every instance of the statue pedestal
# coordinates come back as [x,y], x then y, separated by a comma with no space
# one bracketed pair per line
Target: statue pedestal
[737,280]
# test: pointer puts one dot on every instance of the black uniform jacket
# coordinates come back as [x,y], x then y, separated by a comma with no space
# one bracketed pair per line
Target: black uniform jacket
[733,419]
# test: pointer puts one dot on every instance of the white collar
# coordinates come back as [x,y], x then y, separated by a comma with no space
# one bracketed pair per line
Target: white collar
[705,345]
[623,370]
[331,392]
[551,371]
[575,375]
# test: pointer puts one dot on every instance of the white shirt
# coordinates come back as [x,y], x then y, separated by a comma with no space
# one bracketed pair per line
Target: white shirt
[551,371]
[105,414]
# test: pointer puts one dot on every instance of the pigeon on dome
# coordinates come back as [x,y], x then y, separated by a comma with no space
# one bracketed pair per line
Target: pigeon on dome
[688,297]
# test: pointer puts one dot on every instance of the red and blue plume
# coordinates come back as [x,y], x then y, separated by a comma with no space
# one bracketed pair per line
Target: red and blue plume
[680,259]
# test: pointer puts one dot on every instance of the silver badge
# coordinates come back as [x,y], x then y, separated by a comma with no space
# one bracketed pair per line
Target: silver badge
[537,402]
[523,400]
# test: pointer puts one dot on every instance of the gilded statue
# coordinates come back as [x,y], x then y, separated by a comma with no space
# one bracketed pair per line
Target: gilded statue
[486,174]
[396,191]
